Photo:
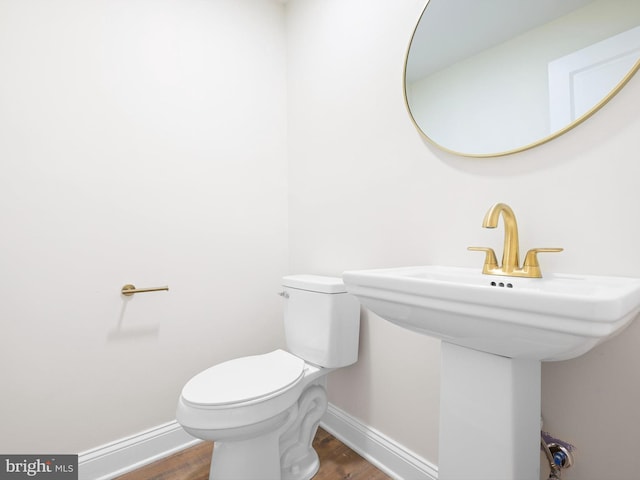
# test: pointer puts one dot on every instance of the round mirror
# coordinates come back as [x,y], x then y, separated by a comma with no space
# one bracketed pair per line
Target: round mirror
[495,77]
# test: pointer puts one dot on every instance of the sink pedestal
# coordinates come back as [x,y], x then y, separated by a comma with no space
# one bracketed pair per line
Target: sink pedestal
[489,416]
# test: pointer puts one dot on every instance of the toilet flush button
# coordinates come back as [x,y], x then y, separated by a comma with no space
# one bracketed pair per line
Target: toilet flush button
[283,294]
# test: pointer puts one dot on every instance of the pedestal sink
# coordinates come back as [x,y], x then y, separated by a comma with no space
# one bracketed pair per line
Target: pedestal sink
[495,332]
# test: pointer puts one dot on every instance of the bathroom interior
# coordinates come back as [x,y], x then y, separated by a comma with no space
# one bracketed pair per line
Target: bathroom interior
[215,146]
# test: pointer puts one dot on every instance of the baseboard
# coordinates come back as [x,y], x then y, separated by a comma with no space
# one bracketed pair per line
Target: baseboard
[127,454]
[117,458]
[380,450]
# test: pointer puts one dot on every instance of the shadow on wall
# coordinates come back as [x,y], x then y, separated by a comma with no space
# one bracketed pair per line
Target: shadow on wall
[127,328]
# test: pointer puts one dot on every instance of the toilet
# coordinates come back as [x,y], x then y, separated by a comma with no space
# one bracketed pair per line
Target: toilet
[262,411]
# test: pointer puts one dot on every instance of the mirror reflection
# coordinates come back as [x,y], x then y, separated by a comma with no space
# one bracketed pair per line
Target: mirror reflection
[493,77]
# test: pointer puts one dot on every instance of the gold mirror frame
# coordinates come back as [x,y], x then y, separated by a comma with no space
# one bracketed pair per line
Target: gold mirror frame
[528,146]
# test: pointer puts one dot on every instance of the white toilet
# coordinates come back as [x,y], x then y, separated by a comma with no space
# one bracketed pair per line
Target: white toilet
[263,411]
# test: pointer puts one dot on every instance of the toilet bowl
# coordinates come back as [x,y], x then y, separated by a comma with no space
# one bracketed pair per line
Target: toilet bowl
[262,411]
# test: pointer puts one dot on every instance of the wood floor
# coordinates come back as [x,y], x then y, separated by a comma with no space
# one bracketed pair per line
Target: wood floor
[337,462]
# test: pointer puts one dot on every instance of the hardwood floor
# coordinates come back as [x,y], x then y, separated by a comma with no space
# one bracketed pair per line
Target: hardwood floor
[337,462]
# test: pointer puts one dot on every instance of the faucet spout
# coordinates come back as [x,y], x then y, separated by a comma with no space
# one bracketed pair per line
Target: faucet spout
[510,253]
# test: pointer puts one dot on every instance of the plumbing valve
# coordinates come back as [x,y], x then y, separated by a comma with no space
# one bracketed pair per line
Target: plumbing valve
[561,455]
[558,454]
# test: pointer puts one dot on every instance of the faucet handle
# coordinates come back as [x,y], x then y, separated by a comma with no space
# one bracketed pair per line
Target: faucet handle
[531,264]
[490,260]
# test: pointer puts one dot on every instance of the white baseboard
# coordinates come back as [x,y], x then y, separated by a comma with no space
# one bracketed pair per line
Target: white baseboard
[383,452]
[127,454]
[117,458]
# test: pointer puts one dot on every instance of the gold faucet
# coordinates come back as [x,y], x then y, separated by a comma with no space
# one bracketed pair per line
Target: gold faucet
[510,255]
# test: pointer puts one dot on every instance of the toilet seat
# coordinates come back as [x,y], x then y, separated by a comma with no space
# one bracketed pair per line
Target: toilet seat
[244,380]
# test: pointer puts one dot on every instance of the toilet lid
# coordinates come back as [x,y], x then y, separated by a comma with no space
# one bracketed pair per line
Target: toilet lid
[244,379]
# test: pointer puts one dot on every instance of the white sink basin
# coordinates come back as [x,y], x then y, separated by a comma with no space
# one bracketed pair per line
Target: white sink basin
[552,318]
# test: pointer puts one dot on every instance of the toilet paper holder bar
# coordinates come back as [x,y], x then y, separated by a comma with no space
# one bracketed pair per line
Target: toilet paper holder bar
[129,289]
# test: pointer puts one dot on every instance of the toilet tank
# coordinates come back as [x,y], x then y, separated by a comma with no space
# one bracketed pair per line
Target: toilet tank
[321,320]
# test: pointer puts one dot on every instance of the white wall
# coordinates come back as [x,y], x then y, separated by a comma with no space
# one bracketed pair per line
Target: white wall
[141,141]
[366,191]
